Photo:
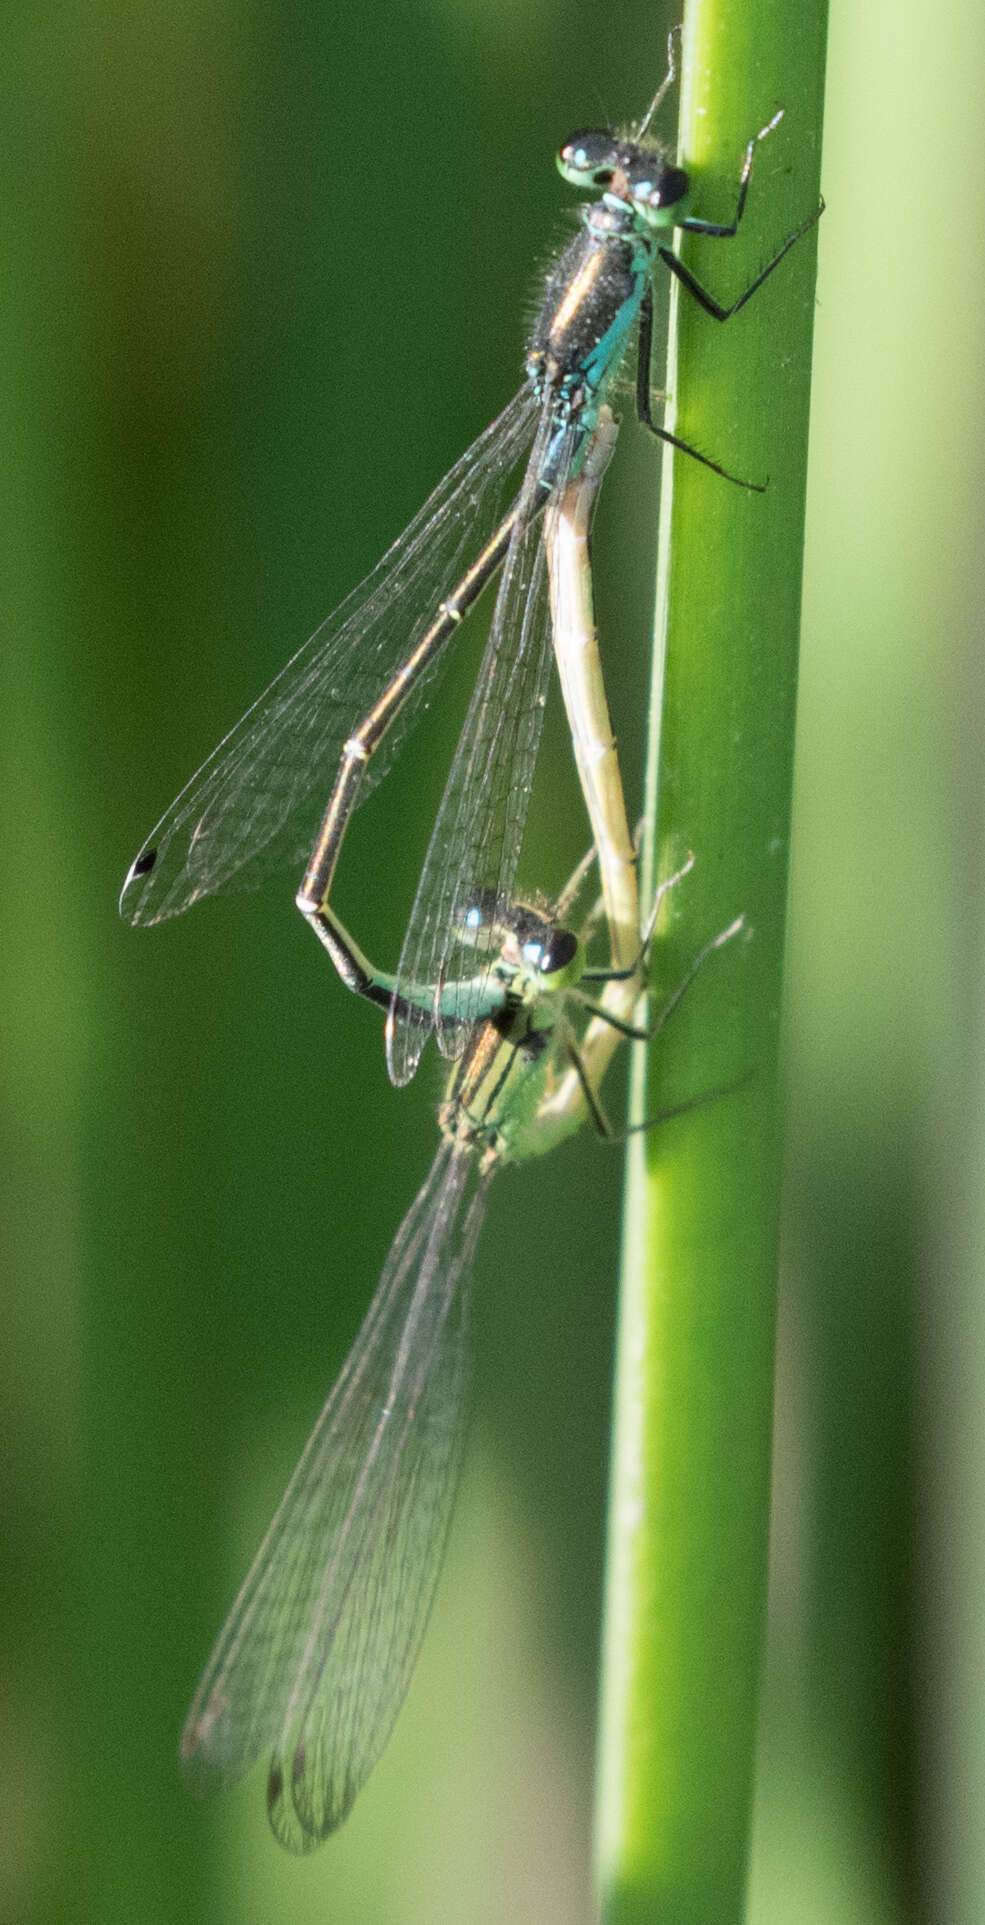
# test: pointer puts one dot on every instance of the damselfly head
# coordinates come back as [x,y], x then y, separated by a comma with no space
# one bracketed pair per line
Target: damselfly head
[621,165]
[523,935]
[643,177]
[486,922]
[547,956]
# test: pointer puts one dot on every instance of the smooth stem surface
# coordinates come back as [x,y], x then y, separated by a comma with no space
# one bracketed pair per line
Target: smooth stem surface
[686,1576]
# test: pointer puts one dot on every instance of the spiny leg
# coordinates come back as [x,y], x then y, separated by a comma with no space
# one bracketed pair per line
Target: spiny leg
[593,1102]
[725,231]
[644,398]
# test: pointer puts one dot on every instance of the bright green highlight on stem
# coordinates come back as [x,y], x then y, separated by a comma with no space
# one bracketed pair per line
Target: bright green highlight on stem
[686,1577]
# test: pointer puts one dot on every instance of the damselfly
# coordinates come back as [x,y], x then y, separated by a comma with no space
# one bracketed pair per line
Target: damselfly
[342,703]
[316,1656]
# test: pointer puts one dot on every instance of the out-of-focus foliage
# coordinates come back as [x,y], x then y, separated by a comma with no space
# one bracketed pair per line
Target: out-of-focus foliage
[266,271]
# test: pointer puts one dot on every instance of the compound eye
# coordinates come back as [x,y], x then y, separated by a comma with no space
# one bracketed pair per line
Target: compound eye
[586,159]
[672,186]
[559,953]
[474,922]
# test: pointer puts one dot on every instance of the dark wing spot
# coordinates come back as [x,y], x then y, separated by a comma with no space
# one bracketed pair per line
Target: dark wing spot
[144,863]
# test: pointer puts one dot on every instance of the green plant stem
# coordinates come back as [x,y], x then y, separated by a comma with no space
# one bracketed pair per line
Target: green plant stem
[686,1575]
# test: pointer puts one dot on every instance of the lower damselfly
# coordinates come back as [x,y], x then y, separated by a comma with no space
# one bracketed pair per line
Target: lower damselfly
[336,712]
[316,1655]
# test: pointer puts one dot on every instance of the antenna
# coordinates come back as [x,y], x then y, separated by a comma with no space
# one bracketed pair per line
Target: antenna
[666,83]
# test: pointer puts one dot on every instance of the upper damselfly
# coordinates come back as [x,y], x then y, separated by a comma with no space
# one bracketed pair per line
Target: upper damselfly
[338,709]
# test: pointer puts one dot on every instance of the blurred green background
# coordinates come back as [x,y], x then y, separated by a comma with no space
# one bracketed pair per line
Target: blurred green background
[266,269]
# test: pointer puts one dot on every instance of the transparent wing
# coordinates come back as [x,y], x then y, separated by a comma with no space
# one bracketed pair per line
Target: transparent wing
[316,1655]
[258,801]
[475,846]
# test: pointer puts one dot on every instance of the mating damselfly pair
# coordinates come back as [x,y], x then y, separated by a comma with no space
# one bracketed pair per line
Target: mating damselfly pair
[316,1655]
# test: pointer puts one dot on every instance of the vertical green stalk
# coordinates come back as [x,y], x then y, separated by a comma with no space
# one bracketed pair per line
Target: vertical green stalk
[686,1578]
